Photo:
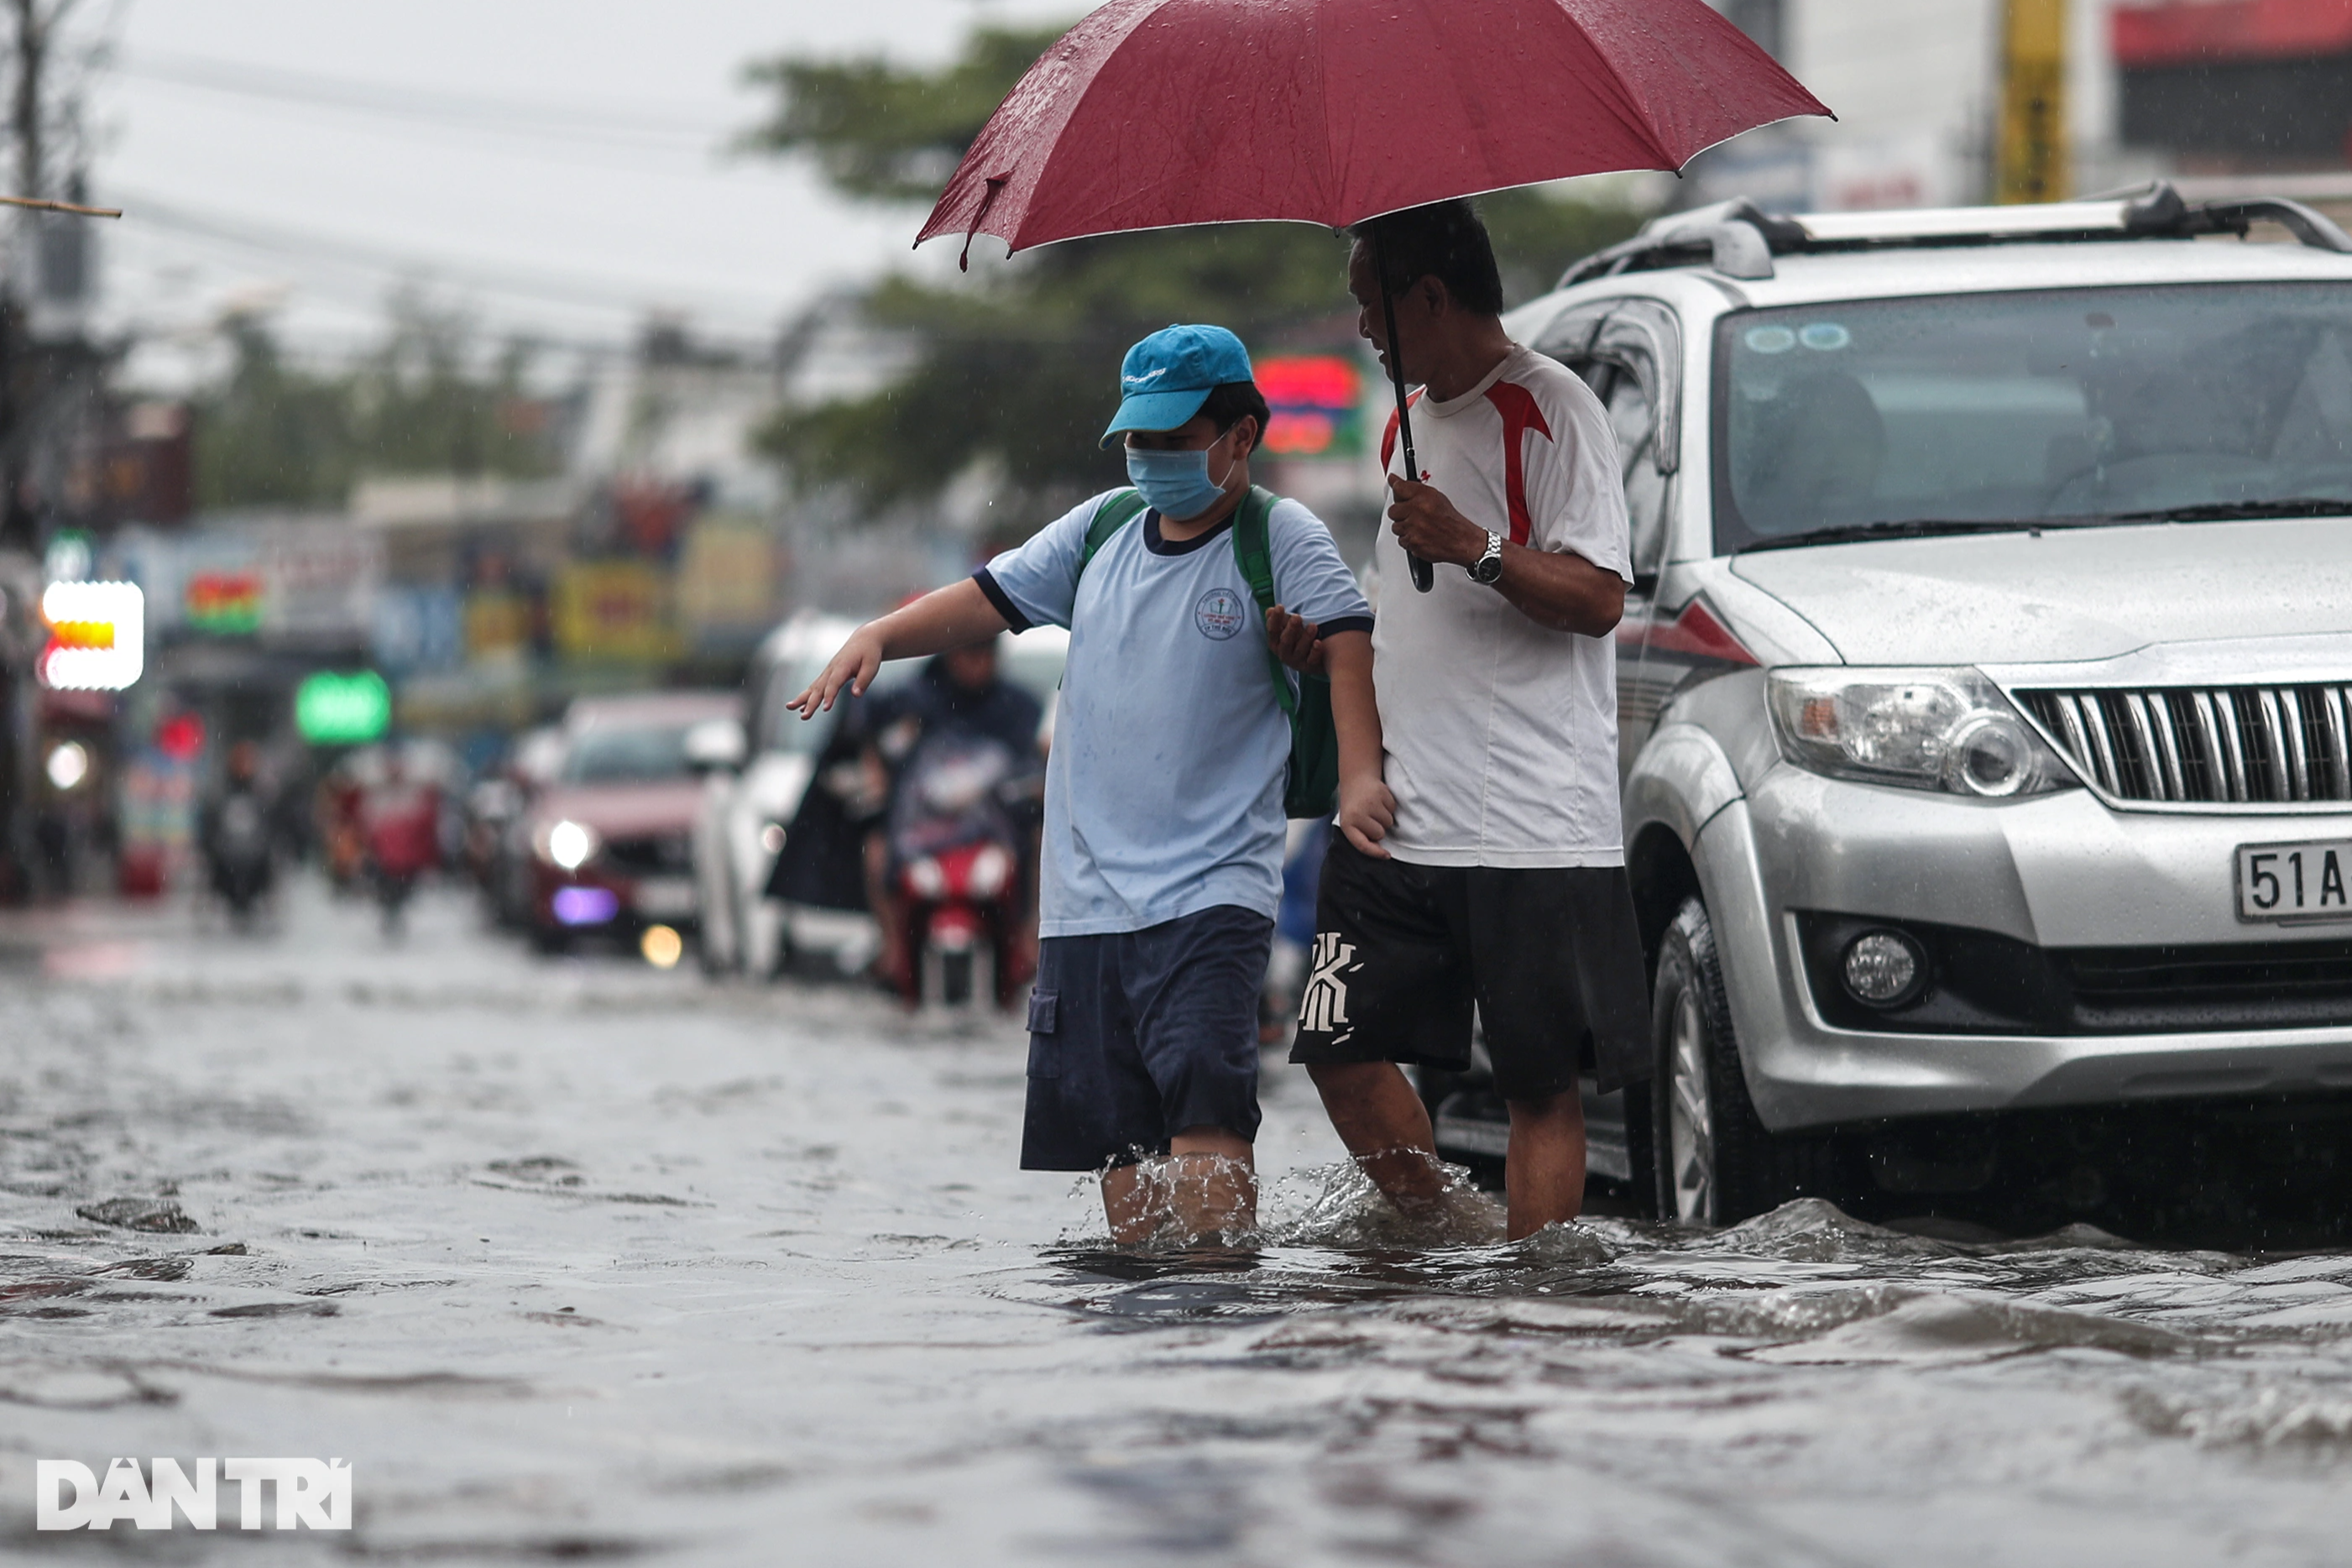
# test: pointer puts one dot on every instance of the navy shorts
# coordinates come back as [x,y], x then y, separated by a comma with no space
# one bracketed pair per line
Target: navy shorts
[1137,1036]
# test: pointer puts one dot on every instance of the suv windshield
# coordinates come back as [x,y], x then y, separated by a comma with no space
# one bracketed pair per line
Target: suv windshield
[2185,403]
[627,756]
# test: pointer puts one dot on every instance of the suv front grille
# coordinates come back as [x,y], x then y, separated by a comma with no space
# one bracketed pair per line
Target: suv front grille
[651,856]
[2216,744]
[2275,984]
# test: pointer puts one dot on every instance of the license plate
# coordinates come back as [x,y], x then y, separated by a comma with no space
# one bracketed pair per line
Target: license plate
[665,898]
[2296,882]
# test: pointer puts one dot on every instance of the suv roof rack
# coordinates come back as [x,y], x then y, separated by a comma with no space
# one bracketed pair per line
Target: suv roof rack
[1739,239]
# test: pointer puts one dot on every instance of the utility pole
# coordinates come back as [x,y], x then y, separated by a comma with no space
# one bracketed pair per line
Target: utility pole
[32,29]
[32,376]
[2031,157]
[35,27]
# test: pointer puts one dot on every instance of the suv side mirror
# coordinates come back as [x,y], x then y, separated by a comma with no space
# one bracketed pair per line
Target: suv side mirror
[713,744]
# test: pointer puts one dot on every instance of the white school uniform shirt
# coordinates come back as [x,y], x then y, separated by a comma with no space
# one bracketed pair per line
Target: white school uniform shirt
[1501,734]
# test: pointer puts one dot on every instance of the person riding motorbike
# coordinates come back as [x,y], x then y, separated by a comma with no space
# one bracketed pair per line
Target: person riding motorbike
[233,831]
[957,751]
[400,820]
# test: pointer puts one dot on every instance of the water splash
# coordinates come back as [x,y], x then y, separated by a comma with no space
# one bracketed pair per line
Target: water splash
[1338,1205]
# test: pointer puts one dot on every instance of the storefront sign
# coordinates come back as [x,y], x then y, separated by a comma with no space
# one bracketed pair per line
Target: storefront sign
[334,709]
[227,603]
[1317,404]
[615,610]
[97,636]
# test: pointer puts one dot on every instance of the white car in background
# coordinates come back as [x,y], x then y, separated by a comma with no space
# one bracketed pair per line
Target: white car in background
[747,814]
[744,816]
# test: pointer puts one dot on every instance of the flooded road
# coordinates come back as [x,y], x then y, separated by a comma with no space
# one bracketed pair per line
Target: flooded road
[578,1260]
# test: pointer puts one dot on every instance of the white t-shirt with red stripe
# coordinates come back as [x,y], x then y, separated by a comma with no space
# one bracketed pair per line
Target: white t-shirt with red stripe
[1501,733]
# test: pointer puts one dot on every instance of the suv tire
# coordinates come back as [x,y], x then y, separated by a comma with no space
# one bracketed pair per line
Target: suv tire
[1716,1162]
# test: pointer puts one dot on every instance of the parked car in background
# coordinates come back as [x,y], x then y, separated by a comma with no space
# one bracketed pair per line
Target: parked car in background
[611,836]
[745,819]
[741,827]
[1985,688]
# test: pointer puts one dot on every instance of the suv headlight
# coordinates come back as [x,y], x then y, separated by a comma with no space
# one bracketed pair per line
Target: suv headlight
[1948,729]
[567,843]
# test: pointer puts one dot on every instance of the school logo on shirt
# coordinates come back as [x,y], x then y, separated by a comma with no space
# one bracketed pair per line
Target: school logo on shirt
[1218,614]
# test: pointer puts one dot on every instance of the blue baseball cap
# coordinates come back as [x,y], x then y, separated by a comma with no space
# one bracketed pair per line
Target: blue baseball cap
[1167,377]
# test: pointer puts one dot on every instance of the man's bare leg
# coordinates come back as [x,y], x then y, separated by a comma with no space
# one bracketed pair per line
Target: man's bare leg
[1384,1125]
[1543,1173]
[1208,1186]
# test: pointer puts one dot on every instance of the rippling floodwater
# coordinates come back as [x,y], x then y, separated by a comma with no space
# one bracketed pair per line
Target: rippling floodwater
[579,1261]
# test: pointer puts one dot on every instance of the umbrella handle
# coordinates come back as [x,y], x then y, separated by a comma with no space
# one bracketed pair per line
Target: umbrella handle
[1424,577]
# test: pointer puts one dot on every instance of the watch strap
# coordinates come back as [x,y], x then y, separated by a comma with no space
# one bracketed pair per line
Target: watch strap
[1478,570]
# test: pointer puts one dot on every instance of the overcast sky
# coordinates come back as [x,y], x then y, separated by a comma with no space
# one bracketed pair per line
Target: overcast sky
[558,164]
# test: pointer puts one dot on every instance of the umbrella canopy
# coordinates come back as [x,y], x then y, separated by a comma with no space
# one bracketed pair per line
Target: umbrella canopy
[1154,113]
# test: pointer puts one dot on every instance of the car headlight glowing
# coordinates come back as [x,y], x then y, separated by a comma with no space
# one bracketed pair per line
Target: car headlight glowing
[1948,729]
[571,845]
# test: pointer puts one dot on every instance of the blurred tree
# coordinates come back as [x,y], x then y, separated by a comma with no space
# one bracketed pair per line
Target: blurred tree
[419,406]
[889,135]
[1016,363]
[272,433]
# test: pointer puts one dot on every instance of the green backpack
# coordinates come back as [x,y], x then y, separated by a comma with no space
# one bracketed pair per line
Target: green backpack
[1313,788]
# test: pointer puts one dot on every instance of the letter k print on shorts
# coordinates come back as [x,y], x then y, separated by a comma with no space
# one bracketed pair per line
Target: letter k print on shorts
[1324,1005]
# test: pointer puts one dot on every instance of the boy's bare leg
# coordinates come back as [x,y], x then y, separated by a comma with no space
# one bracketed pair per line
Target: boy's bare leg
[1133,1204]
[1384,1125]
[1207,1185]
[1543,1173]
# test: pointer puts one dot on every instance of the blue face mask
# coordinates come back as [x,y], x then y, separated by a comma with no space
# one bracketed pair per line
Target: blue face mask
[1176,485]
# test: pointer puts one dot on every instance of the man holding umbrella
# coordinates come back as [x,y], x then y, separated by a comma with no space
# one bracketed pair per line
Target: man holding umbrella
[1503,881]
[1502,884]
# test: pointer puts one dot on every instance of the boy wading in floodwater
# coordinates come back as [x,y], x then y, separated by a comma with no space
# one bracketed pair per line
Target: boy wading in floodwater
[1164,796]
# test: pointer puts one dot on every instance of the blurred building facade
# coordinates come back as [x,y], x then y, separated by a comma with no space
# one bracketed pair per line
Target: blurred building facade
[2204,89]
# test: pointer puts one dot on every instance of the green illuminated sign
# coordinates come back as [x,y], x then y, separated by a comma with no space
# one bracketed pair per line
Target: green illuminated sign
[336,709]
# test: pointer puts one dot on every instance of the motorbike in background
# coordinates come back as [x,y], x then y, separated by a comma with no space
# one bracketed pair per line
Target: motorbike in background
[400,824]
[236,835]
[955,854]
[237,848]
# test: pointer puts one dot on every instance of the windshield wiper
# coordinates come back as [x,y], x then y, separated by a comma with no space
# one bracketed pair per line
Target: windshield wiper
[1906,528]
[2224,511]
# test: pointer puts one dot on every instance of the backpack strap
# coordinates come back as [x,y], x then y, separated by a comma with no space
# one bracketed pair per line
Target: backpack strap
[1122,508]
[1253,554]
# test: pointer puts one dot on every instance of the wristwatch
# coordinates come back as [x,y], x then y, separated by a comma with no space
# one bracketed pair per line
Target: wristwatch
[1488,568]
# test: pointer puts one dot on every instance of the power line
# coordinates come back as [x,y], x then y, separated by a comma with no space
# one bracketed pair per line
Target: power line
[545,119]
[258,237]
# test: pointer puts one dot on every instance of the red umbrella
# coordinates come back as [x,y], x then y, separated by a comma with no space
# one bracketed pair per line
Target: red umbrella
[1154,113]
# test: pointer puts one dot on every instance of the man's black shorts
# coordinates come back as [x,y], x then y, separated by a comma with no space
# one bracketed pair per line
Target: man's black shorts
[1138,1035]
[1550,955]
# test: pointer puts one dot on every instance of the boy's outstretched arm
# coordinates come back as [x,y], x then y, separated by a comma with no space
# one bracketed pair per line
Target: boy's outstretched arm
[1367,809]
[954,617]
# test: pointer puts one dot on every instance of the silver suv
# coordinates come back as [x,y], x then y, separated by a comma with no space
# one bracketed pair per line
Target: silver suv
[1986,690]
